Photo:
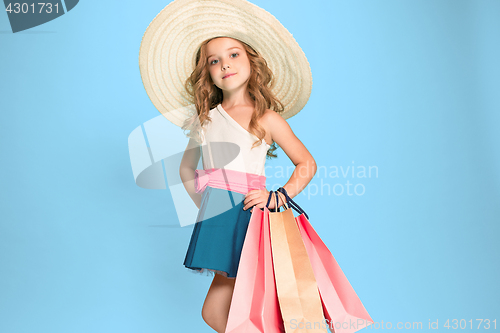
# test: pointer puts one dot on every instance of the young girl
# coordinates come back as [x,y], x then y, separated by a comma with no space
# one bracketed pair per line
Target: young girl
[239,58]
[231,67]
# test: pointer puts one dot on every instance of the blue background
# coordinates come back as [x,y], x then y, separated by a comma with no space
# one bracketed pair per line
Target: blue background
[411,87]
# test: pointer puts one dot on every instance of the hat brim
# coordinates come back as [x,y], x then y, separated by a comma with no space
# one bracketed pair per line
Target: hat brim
[169,45]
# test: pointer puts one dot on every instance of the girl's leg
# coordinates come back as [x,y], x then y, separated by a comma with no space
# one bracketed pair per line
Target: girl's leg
[215,309]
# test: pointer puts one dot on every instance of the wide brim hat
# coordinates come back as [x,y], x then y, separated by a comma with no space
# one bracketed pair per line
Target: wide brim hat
[169,46]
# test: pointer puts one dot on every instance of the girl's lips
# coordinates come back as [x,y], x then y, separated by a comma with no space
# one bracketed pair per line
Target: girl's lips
[225,77]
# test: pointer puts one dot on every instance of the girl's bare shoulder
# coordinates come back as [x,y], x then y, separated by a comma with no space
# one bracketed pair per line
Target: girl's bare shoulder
[276,126]
[273,121]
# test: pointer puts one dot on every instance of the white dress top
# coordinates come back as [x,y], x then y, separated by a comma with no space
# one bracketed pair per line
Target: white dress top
[226,144]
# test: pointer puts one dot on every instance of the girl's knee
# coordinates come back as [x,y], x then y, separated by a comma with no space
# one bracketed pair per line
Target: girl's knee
[216,306]
[212,318]
[206,314]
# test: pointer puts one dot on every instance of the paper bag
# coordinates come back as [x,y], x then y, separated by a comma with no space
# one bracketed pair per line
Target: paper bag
[298,293]
[342,307]
[254,304]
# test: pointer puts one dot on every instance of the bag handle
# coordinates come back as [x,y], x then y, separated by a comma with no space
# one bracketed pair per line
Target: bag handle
[276,208]
[269,201]
[285,203]
[292,203]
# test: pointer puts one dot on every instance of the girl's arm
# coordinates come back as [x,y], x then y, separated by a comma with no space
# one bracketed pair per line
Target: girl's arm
[188,165]
[305,165]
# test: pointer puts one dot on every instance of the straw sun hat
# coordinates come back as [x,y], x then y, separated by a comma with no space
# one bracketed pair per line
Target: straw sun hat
[169,45]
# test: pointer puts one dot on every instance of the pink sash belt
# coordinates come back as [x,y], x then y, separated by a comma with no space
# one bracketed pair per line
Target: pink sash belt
[232,180]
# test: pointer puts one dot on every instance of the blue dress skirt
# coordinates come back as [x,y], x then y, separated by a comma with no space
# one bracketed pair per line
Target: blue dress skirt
[218,234]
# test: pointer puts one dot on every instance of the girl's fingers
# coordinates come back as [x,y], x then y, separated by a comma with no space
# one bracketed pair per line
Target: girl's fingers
[249,196]
[256,198]
[257,202]
[253,197]
[249,204]
[260,205]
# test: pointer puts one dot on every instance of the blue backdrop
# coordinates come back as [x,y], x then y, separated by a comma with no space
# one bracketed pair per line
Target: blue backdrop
[408,88]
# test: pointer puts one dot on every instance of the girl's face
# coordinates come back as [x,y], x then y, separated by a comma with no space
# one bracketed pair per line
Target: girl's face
[228,64]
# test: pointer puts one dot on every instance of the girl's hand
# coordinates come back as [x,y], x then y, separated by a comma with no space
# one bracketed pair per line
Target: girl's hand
[258,198]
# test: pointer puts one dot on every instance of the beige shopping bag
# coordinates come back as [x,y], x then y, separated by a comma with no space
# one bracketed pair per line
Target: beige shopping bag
[298,294]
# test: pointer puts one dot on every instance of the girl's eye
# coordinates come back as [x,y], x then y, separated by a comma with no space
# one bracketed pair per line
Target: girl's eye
[212,62]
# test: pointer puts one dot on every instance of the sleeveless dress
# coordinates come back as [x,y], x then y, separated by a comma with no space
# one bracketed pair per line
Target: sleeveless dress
[221,225]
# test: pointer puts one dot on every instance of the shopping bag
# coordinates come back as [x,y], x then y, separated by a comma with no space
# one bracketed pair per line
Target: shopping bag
[342,307]
[254,305]
[298,294]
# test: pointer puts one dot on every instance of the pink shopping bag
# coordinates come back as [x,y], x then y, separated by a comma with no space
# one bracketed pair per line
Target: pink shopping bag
[254,304]
[341,305]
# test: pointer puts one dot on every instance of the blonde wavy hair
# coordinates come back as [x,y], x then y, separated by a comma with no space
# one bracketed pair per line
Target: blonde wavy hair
[205,95]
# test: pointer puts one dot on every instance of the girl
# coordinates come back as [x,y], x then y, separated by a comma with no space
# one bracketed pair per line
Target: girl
[235,122]
[231,67]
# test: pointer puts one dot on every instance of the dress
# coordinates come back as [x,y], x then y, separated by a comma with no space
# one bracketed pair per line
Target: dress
[221,225]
